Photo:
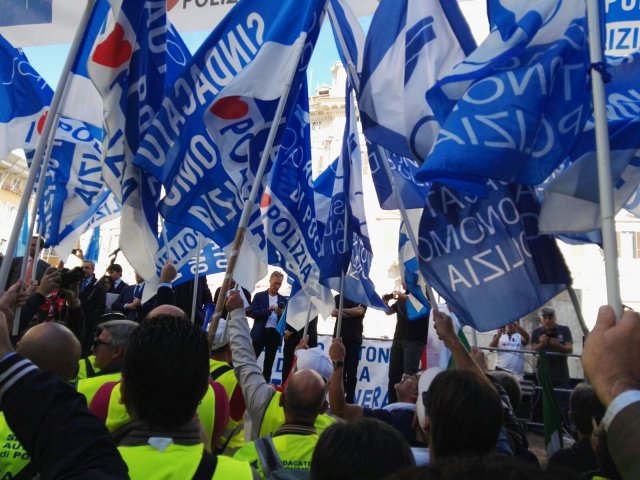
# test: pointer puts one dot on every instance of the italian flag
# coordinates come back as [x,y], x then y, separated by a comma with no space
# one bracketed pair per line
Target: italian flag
[550,410]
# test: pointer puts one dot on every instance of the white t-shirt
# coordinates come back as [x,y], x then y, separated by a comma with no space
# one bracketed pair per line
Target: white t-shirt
[511,362]
[272,321]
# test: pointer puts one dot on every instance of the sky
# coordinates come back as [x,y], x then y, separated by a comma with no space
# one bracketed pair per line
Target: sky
[48,60]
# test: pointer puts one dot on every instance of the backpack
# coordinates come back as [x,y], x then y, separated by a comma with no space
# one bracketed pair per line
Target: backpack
[272,465]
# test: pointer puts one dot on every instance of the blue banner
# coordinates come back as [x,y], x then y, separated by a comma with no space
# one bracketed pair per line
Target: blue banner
[515,107]
[24,100]
[410,44]
[486,257]
[572,200]
[206,141]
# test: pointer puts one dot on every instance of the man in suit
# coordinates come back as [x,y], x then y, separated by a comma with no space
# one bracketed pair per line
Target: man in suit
[93,300]
[266,310]
[129,301]
[610,359]
[114,272]
[16,264]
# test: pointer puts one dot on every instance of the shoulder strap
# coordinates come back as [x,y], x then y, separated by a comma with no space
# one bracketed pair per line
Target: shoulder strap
[206,467]
[89,368]
[100,402]
[218,372]
[267,455]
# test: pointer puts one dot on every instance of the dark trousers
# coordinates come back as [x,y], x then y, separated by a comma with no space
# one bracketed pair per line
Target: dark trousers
[291,344]
[351,360]
[404,357]
[269,341]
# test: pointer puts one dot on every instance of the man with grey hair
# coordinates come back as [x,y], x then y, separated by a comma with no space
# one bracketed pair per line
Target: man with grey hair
[109,347]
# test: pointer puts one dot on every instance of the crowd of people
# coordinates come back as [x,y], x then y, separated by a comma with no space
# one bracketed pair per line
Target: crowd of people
[105,381]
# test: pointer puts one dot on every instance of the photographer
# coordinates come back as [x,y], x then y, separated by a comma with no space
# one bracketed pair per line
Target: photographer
[409,341]
[55,299]
[552,337]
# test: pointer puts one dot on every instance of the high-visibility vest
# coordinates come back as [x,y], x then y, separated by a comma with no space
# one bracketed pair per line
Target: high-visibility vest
[273,418]
[86,369]
[178,461]
[117,416]
[295,452]
[13,457]
[89,386]
[233,436]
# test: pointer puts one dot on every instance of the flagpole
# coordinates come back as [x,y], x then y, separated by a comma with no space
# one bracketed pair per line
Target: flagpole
[196,279]
[345,238]
[403,212]
[249,204]
[42,143]
[605,182]
[306,327]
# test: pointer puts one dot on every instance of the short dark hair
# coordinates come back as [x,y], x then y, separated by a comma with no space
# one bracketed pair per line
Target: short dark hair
[166,370]
[583,406]
[115,267]
[461,401]
[364,449]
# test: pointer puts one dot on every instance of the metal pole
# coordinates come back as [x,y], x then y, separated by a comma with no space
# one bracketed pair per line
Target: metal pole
[42,143]
[578,310]
[605,181]
[249,204]
[306,326]
[196,279]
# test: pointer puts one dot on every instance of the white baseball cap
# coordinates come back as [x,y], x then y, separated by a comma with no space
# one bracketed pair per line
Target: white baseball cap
[315,359]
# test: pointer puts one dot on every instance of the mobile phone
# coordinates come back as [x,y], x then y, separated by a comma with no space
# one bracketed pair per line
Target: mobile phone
[280,305]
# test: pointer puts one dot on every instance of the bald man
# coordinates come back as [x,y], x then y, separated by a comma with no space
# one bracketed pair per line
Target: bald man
[52,347]
[303,399]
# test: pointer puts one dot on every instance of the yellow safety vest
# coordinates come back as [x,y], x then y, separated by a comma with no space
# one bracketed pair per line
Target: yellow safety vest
[178,461]
[235,429]
[13,457]
[86,368]
[118,417]
[273,418]
[89,386]
[295,452]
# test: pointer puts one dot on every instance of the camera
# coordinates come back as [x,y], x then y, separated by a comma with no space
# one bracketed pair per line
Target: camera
[69,277]
[553,333]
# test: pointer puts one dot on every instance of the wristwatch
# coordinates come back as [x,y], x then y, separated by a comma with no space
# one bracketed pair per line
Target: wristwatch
[338,364]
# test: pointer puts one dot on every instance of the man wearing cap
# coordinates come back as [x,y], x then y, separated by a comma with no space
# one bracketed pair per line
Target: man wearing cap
[262,399]
[551,337]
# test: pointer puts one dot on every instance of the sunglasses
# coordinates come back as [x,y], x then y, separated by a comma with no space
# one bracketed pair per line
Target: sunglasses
[97,341]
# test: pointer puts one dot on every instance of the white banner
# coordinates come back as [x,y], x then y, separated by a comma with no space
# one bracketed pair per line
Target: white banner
[26,23]
[373,370]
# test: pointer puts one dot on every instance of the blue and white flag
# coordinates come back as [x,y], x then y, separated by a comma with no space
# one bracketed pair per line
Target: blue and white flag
[130,64]
[411,44]
[572,199]
[74,197]
[207,139]
[24,101]
[346,248]
[350,41]
[515,107]
[289,218]
[633,205]
[417,303]
[183,253]
[486,257]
